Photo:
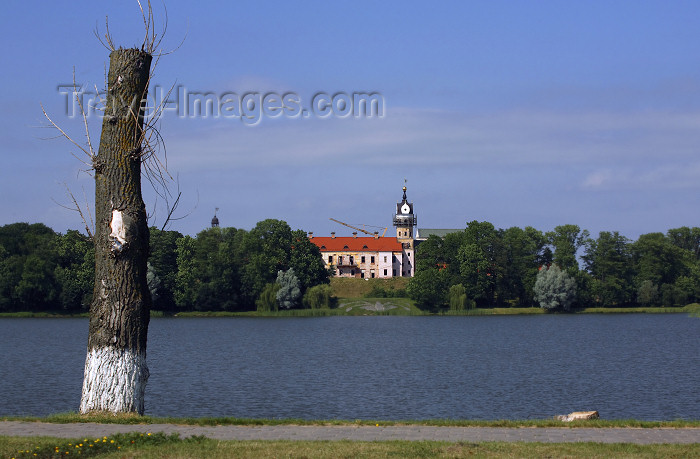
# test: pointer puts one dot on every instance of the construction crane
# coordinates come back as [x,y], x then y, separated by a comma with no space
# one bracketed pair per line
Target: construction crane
[360,229]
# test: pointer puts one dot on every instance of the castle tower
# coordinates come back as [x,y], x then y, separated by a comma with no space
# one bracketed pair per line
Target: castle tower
[404,221]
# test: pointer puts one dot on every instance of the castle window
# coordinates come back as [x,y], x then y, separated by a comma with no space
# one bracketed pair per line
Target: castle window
[330,258]
[352,261]
[385,272]
[372,259]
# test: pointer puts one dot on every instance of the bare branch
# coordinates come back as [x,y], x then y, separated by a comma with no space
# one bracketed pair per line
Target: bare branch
[87,152]
[84,115]
[77,209]
[108,42]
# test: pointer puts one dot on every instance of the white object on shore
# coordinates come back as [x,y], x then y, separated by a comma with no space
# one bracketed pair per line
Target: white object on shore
[578,415]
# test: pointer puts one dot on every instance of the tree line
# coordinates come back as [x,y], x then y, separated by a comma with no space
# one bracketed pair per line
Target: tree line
[272,267]
[565,268]
[220,269]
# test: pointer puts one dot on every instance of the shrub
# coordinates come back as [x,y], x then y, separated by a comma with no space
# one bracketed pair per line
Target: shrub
[457,298]
[554,288]
[647,293]
[289,291]
[267,301]
[318,297]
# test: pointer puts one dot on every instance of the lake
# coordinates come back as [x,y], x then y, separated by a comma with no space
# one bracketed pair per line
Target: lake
[643,366]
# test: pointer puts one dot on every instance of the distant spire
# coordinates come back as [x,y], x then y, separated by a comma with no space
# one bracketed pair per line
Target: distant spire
[215,220]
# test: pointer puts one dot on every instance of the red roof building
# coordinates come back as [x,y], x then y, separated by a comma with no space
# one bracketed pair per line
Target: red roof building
[362,257]
[370,257]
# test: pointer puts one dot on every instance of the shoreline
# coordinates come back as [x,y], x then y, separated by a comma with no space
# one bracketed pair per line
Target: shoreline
[344,310]
[134,419]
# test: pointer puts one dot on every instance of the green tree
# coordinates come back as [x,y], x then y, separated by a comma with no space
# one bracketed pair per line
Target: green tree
[10,274]
[75,270]
[305,258]
[37,287]
[478,262]
[441,253]
[554,288]
[266,250]
[567,240]
[608,259]
[522,255]
[428,288]
[430,254]
[686,238]
[187,277]
[5,281]
[208,276]
[657,259]
[28,282]
[163,261]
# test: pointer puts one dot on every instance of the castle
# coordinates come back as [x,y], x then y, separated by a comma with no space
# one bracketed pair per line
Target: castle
[374,256]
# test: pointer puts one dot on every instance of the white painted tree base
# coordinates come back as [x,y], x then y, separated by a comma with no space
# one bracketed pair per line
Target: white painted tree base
[115,381]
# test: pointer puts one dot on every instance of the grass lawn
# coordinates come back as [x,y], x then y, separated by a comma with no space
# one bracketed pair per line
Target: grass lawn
[159,446]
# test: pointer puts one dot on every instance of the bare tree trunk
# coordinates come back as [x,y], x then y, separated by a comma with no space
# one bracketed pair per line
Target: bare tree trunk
[115,367]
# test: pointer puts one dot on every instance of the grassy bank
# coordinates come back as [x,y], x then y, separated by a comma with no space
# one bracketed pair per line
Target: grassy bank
[346,287]
[65,418]
[171,446]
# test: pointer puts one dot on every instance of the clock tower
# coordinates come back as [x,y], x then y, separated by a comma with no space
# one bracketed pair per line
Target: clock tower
[404,221]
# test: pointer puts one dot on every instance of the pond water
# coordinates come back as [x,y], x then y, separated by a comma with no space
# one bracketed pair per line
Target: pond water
[639,366]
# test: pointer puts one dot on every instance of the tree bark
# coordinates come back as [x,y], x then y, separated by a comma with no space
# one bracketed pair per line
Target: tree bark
[115,367]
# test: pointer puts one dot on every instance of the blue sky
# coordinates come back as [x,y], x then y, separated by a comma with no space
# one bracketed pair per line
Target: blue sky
[518,113]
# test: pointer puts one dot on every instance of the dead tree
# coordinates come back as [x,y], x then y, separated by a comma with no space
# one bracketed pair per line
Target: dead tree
[115,367]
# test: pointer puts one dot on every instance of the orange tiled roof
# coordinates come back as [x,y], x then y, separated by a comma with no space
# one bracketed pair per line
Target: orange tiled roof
[359,244]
